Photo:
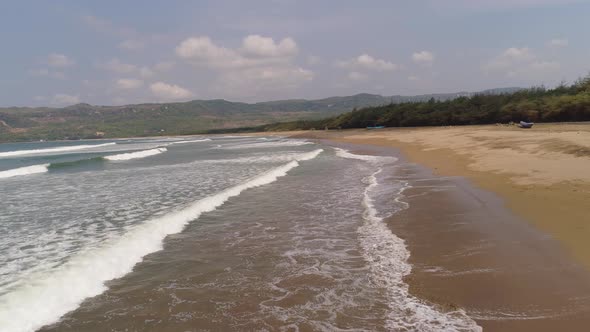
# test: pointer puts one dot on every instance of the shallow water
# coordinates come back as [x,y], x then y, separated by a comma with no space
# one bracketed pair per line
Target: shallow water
[220,234]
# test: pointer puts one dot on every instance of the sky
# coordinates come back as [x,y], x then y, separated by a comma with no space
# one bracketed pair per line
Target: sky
[58,53]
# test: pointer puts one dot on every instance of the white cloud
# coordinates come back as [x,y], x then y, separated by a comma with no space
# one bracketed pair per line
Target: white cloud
[365,61]
[128,83]
[65,99]
[116,66]
[557,43]
[522,63]
[169,91]
[132,45]
[259,64]
[59,60]
[423,58]
[201,50]
[257,45]
[255,51]
[356,76]
[510,57]
[518,53]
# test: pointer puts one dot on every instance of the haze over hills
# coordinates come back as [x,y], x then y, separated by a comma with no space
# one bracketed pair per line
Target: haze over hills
[181,118]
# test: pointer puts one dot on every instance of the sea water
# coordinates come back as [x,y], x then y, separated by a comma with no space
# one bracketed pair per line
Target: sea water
[204,233]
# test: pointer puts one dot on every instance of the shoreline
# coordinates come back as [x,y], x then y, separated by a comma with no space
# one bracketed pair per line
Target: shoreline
[512,253]
[472,249]
[548,188]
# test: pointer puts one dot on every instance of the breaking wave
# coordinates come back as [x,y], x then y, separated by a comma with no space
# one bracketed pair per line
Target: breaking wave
[52,150]
[135,155]
[51,296]
[24,171]
[191,141]
[374,159]
[267,144]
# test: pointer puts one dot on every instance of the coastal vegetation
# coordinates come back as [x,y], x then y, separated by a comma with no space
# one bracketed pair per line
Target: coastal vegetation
[563,103]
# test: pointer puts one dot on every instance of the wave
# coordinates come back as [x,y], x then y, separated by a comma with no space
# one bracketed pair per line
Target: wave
[135,155]
[64,164]
[342,153]
[59,165]
[52,150]
[192,141]
[267,158]
[230,137]
[24,171]
[52,296]
[388,256]
[264,144]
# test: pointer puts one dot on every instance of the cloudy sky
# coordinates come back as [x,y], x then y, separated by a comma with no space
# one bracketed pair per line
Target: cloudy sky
[116,52]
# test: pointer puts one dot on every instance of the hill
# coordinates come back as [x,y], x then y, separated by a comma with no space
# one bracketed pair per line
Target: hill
[192,117]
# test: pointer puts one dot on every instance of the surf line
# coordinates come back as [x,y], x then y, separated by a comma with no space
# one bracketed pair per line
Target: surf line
[52,150]
[84,276]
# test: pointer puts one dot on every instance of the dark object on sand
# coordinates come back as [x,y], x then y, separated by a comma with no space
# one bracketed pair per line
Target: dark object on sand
[523,124]
[375,127]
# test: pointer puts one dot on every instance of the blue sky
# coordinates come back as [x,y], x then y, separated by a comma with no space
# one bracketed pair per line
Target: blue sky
[58,53]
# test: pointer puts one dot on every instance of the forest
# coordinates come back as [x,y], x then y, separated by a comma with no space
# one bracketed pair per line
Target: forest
[563,103]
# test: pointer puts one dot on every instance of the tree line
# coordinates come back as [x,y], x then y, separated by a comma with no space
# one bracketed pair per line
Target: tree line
[538,104]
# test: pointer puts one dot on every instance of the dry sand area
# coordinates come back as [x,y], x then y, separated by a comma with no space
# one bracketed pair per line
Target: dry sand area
[543,173]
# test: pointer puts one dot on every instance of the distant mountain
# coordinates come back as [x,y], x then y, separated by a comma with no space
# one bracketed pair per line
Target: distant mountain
[192,117]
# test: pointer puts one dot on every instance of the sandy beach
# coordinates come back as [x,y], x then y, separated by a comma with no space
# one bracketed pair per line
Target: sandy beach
[499,223]
[543,174]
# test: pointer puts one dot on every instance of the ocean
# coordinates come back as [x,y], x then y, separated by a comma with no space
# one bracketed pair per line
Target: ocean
[219,233]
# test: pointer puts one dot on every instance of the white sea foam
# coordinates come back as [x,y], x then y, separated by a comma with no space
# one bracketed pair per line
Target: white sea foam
[267,144]
[191,141]
[387,256]
[342,153]
[24,171]
[42,299]
[229,137]
[52,150]
[135,155]
[266,158]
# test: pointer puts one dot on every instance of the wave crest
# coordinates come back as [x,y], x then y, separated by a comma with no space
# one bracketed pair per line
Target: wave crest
[52,150]
[24,171]
[135,155]
[342,153]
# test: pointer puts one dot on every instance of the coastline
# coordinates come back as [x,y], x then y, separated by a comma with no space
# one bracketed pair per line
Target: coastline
[503,252]
[541,174]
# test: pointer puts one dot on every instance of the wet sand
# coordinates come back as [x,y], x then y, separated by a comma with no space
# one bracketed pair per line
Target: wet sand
[467,250]
[471,249]
[542,174]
